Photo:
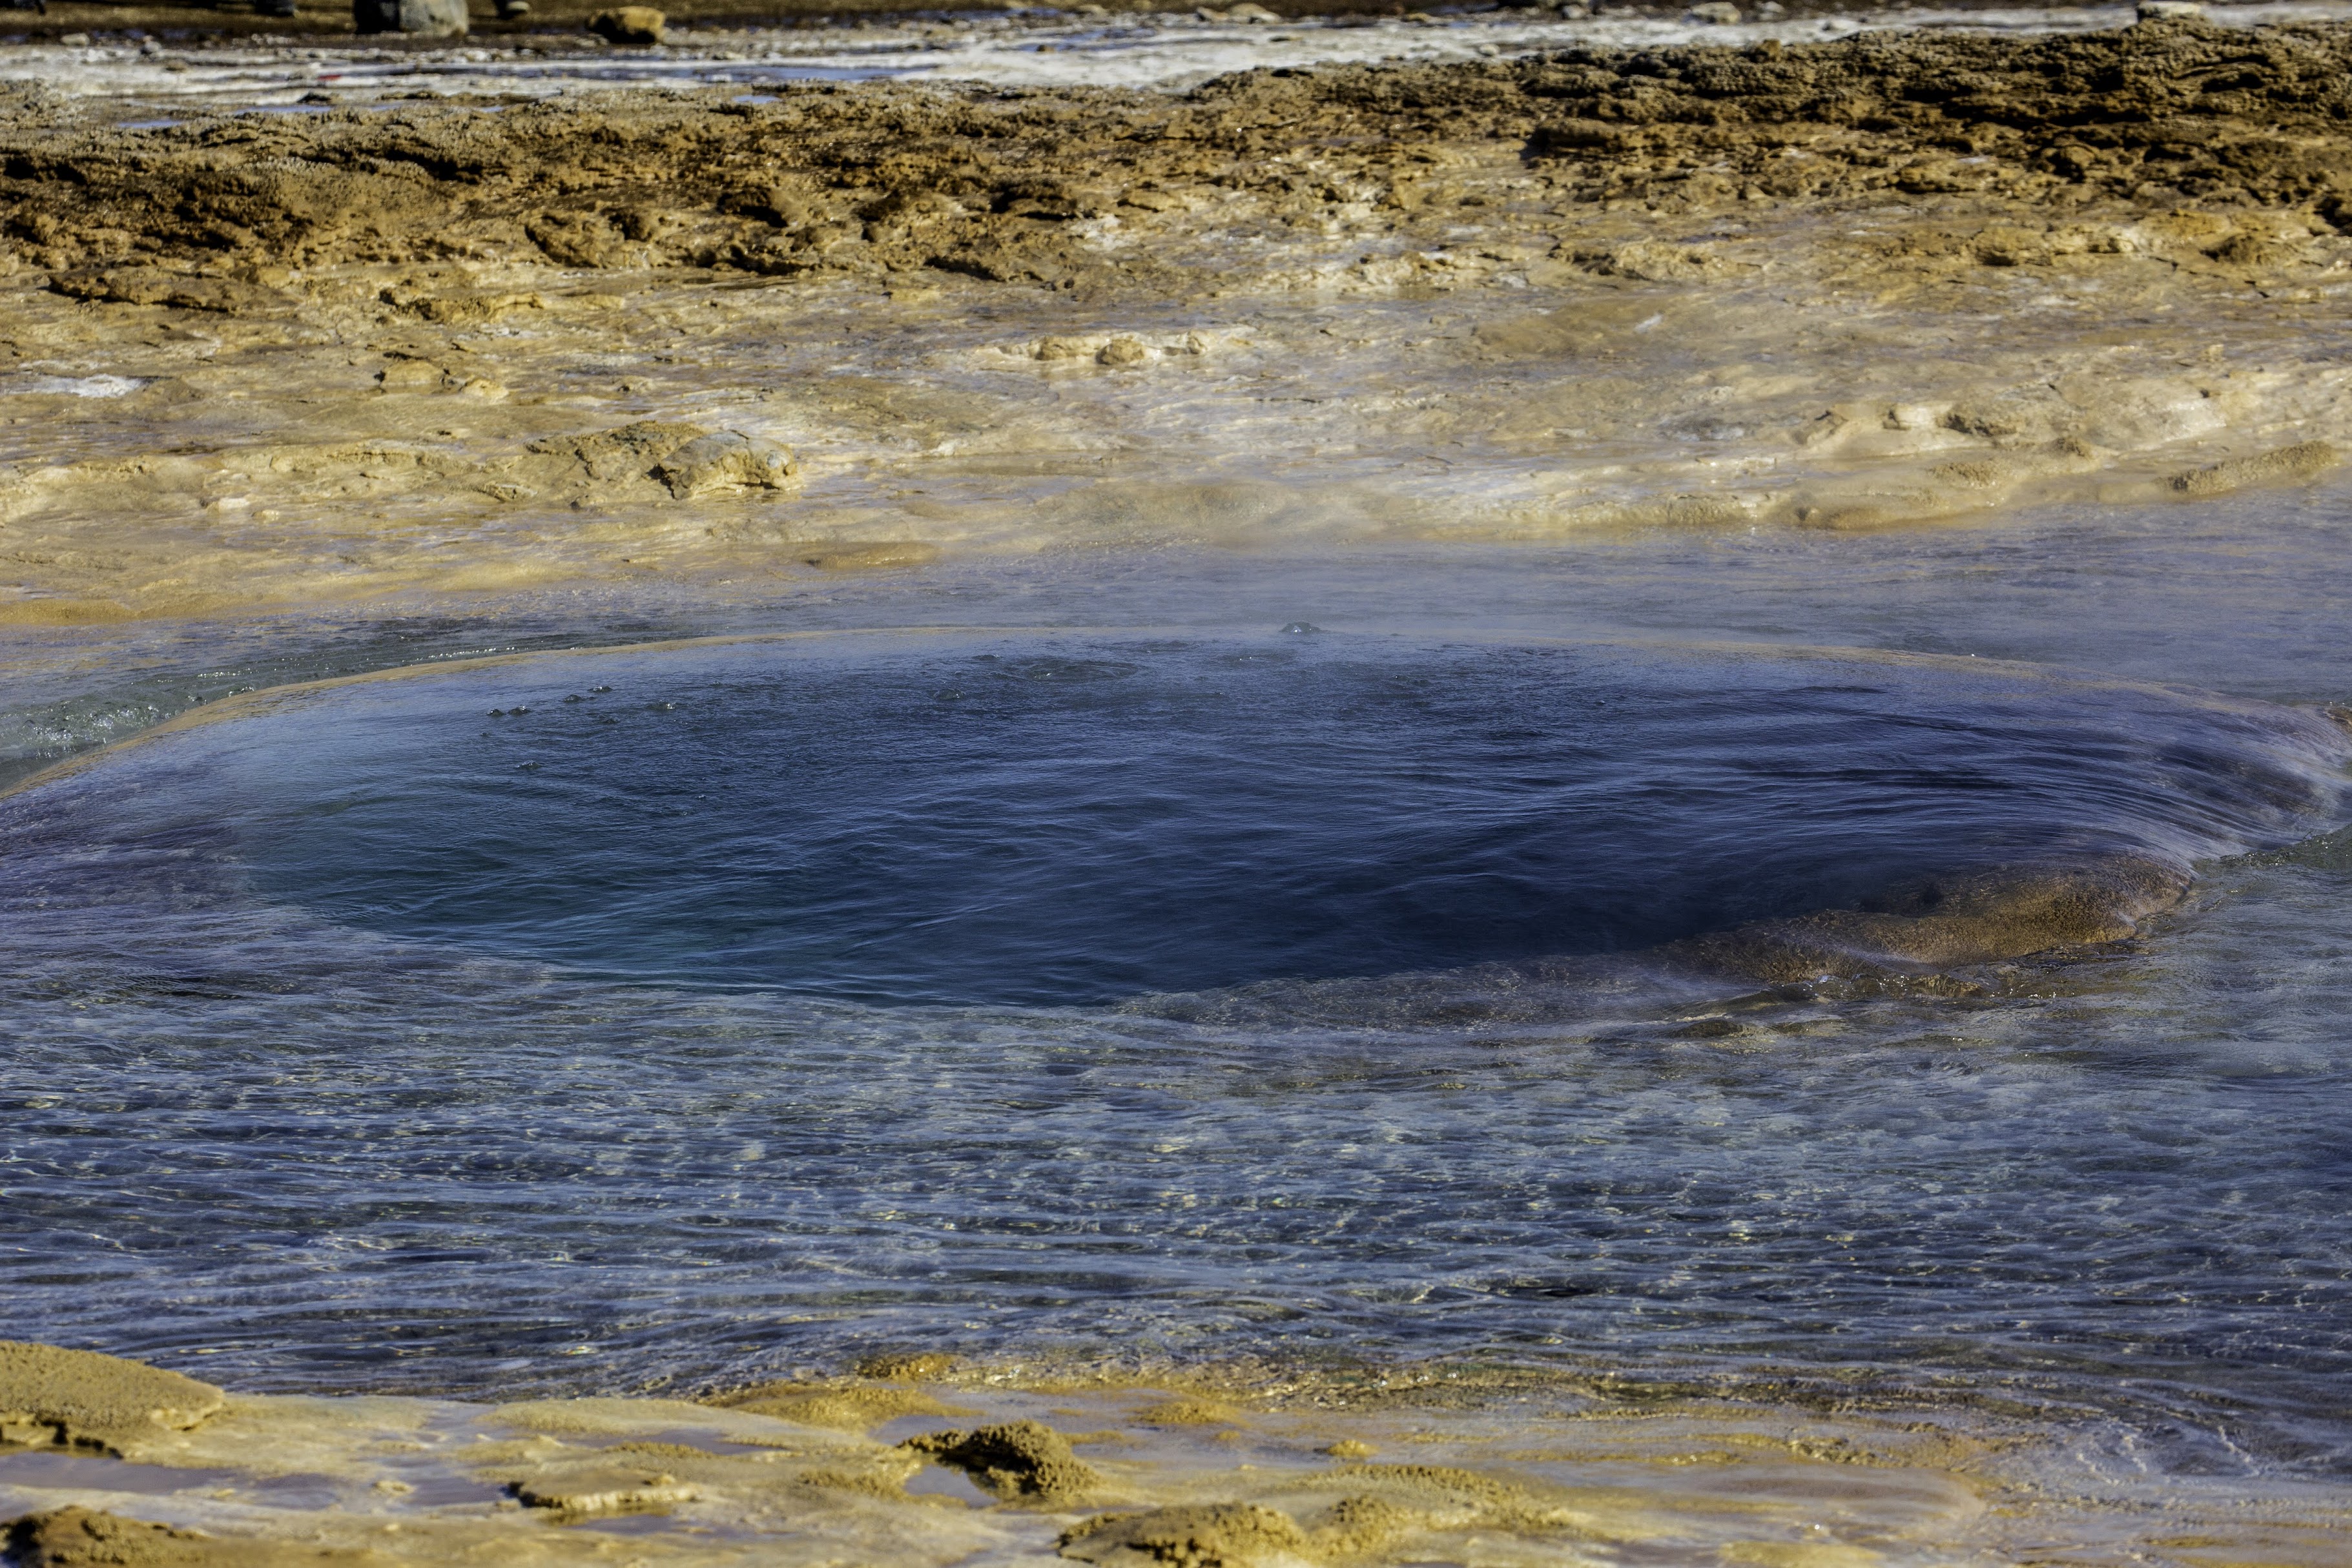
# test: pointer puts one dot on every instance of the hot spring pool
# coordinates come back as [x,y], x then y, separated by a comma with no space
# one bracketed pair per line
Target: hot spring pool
[1198,994]
[1027,821]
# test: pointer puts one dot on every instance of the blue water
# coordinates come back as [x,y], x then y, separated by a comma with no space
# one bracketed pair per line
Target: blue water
[299,1096]
[1070,820]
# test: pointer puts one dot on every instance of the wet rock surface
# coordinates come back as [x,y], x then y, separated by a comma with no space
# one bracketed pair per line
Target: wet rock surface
[1949,922]
[448,353]
[1541,1464]
[1535,1463]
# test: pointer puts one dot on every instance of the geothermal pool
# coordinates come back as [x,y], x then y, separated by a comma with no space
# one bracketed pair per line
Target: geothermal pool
[1078,820]
[1663,814]
[677,1012]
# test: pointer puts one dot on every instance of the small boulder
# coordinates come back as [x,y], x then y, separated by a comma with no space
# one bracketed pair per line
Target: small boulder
[728,460]
[640,25]
[426,18]
[1715,14]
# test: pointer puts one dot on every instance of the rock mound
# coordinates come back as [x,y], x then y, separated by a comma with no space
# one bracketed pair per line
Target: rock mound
[1213,1535]
[727,460]
[81,1399]
[86,1538]
[1022,1460]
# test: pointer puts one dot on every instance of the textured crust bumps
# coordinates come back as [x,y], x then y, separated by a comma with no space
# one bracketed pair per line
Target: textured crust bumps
[2283,466]
[1020,1460]
[84,1399]
[1211,1535]
[892,178]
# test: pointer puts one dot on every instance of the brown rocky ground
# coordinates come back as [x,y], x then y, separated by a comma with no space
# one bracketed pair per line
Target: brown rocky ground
[891,179]
[454,345]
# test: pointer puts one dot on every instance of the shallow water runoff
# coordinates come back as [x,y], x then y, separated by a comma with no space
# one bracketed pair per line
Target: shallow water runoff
[1625,905]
